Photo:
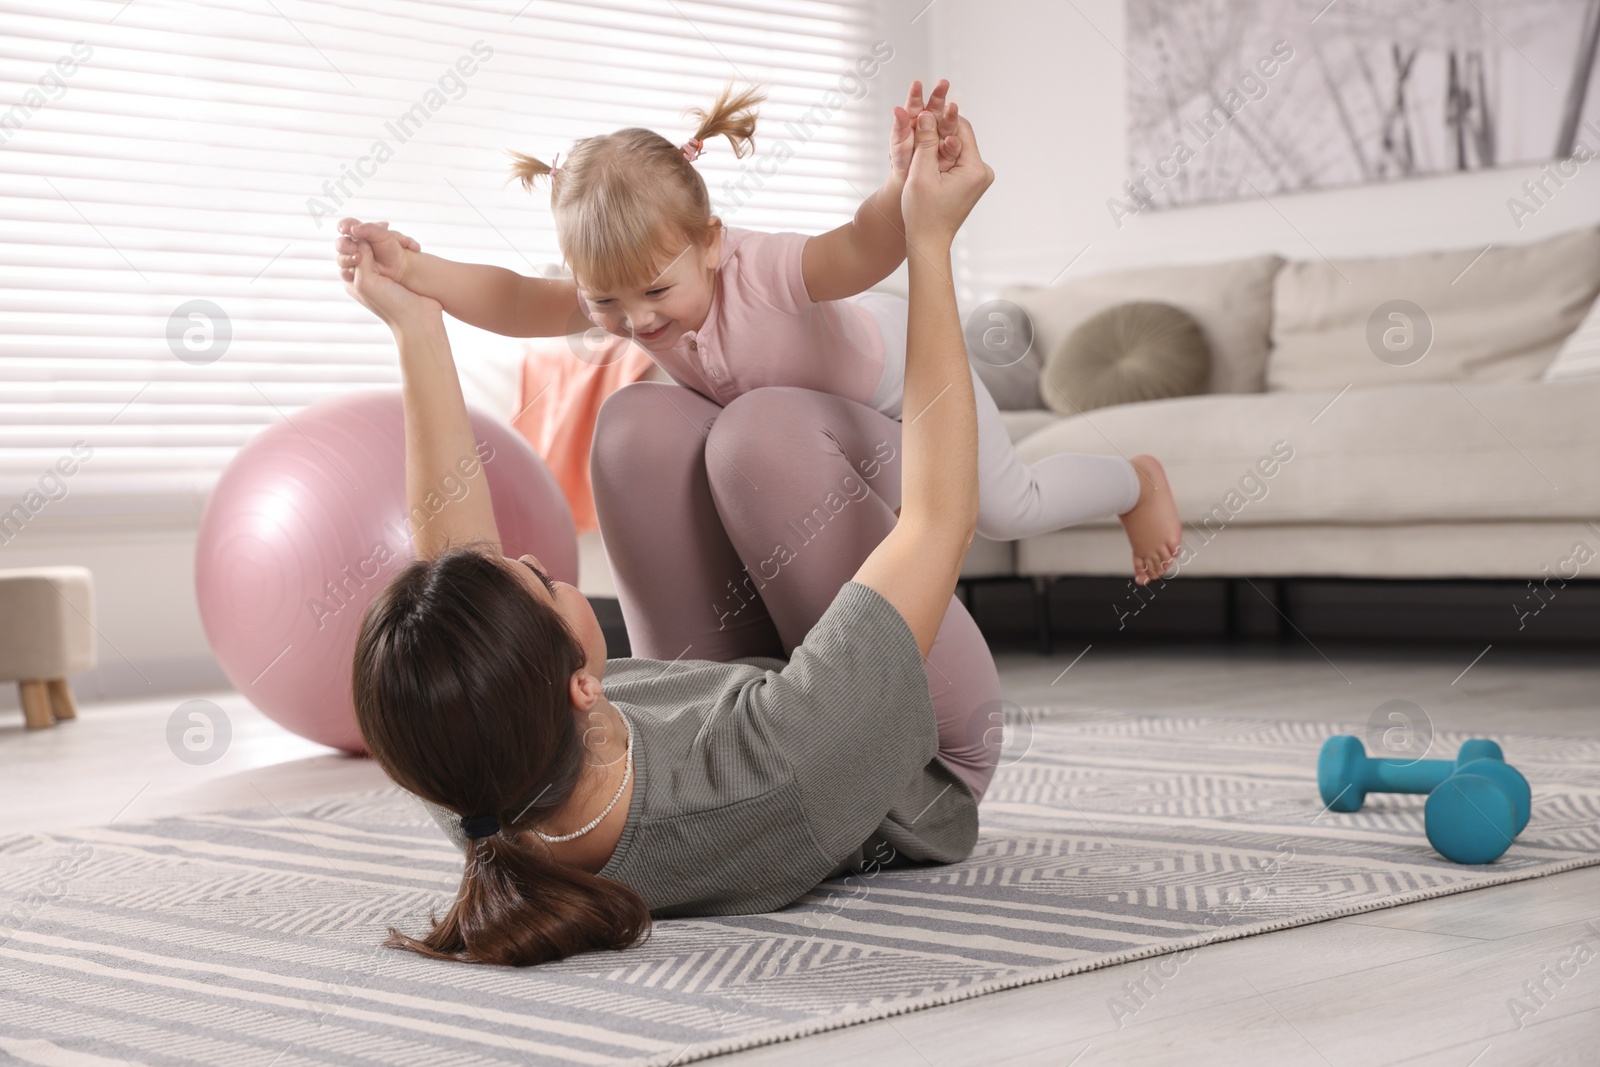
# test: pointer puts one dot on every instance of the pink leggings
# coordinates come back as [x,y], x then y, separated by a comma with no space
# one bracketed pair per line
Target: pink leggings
[730,530]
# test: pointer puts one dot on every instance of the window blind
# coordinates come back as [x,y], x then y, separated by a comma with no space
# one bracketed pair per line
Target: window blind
[171,175]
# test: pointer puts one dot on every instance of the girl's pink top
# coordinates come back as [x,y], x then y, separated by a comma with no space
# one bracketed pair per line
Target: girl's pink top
[763,329]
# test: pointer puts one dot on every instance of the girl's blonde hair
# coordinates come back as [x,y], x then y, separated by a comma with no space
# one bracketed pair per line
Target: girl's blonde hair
[622,201]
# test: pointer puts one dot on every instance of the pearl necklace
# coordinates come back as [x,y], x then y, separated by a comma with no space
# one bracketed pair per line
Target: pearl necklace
[598,819]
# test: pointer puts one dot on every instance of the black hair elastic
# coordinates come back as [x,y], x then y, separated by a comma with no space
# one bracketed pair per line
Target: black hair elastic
[476,826]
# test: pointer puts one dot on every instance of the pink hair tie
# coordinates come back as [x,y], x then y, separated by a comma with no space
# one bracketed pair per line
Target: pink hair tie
[692,149]
[555,164]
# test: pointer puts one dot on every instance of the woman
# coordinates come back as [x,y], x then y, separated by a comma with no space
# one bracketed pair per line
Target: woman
[687,786]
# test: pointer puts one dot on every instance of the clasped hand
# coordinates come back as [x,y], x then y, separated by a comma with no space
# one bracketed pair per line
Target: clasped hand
[372,262]
[936,200]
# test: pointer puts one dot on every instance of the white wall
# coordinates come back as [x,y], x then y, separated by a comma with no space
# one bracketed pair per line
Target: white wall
[1045,88]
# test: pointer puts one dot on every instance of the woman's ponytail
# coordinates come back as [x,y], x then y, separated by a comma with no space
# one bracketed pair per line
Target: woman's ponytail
[733,116]
[518,907]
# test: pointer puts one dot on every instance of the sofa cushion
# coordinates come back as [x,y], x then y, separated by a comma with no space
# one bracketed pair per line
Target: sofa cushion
[1232,301]
[1420,453]
[1464,316]
[1132,352]
[1579,355]
[1551,552]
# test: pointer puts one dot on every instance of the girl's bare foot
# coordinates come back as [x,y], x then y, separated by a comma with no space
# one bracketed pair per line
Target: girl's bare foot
[1152,525]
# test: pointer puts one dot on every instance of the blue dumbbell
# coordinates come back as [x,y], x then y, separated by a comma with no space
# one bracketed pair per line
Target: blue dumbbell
[1346,774]
[1477,803]
[1473,815]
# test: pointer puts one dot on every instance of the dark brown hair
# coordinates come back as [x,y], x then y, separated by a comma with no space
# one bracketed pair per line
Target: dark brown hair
[461,691]
[623,200]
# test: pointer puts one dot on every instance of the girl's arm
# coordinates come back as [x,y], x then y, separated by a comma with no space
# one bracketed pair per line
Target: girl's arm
[495,299]
[490,298]
[440,452]
[864,251]
[916,566]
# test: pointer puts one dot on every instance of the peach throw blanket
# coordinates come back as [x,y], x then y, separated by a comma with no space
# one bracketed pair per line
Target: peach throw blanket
[564,382]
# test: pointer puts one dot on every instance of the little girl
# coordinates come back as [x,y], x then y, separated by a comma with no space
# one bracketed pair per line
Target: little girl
[723,310]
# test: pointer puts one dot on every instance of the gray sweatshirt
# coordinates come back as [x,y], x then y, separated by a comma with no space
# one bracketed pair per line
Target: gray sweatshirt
[759,778]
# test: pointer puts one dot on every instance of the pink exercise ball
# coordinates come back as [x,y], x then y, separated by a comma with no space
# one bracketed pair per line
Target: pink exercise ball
[308,524]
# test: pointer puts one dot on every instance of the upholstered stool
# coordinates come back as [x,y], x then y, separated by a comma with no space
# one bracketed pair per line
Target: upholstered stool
[46,634]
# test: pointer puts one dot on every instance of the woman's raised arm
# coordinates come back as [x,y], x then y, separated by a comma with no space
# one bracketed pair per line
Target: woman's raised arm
[916,566]
[442,463]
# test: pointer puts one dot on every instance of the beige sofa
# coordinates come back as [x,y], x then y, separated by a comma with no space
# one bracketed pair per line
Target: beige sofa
[1321,453]
[1478,460]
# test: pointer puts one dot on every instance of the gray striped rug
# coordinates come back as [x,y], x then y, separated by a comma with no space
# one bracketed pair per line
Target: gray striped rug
[250,937]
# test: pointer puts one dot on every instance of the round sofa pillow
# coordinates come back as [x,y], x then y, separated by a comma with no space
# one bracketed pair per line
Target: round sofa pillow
[1131,352]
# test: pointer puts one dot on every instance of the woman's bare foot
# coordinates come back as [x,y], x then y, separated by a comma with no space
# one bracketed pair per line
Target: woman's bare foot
[1152,525]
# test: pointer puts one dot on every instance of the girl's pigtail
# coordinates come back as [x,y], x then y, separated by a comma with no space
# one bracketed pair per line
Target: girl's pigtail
[526,169]
[733,116]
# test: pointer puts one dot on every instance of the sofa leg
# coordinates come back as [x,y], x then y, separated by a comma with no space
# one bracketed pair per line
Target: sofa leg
[62,706]
[1041,589]
[36,704]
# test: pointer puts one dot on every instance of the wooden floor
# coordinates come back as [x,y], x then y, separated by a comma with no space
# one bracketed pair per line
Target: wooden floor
[1430,983]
